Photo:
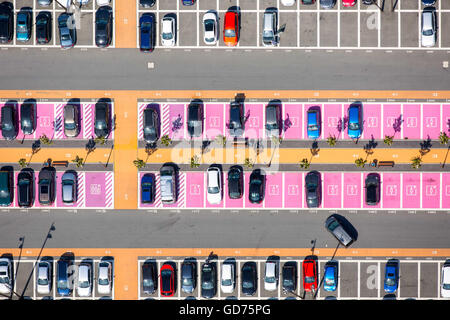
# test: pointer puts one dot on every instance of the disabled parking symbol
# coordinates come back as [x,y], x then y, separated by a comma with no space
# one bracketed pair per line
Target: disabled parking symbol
[430,190]
[253,122]
[95,189]
[447,190]
[333,190]
[293,190]
[390,122]
[274,190]
[372,122]
[411,122]
[352,190]
[214,121]
[391,190]
[332,122]
[194,190]
[45,122]
[431,122]
[411,190]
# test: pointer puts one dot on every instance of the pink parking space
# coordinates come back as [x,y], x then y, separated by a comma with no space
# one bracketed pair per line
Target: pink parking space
[392,120]
[80,191]
[306,107]
[293,121]
[195,189]
[293,189]
[157,202]
[141,108]
[411,190]
[247,202]
[45,121]
[412,121]
[99,189]
[87,120]
[372,121]
[352,190]
[431,190]
[332,121]
[174,120]
[446,118]
[391,190]
[214,120]
[445,190]
[274,190]
[233,203]
[254,125]
[363,190]
[431,121]
[332,190]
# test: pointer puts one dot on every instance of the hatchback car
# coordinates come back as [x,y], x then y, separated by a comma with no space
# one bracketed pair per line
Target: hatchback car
[231,29]
[71,121]
[44,278]
[327,4]
[84,280]
[44,3]
[46,186]
[391,276]
[354,121]
[269,33]
[208,280]
[147,32]
[273,117]
[188,276]
[168,31]
[309,271]
[149,278]
[6,281]
[67,33]
[188,2]
[445,280]
[148,188]
[103,26]
[63,287]
[271,276]
[348,3]
[69,187]
[151,125]
[235,182]
[44,27]
[372,186]
[25,189]
[104,280]
[6,188]
[167,276]
[428,31]
[313,125]
[168,184]
[195,119]
[28,117]
[6,22]
[256,186]
[214,185]
[330,276]
[147,3]
[23,25]
[336,228]
[227,278]
[249,278]
[102,121]
[289,277]
[236,125]
[9,122]
[313,189]
[210,28]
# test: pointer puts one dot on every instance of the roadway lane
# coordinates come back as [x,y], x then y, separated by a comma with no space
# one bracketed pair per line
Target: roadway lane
[232,70]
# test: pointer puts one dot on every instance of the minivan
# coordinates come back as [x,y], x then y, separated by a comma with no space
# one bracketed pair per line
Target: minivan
[428,32]
[269,38]
[63,286]
[6,197]
[168,185]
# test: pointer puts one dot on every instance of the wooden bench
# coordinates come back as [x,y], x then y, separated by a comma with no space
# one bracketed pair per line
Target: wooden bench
[385,163]
[64,163]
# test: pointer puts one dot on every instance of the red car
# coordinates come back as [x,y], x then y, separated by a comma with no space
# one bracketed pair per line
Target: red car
[348,3]
[309,274]
[167,275]
[231,29]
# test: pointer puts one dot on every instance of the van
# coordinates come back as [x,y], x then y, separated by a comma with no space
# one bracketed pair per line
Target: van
[428,32]
[62,278]
[5,189]
[168,185]
[269,29]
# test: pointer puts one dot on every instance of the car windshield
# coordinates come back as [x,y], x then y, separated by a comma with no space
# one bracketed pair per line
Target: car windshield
[230,33]
[247,285]
[313,127]
[329,281]
[148,282]
[226,282]
[149,130]
[42,282]
[428,32]
[271,126]
[41,22]
[65,37]
[145,26]
[446,286]
[213,189]
[4,279]
[390,281]
[353,126]
[309,279]
[268,35]
[103,281]
[21,28]
[70,125]
[62,284]
[270,279]
[288,282]
[333,225]
[209,25]
[84,284]
[167,36]
[6,125]
[187,282]
[100,124]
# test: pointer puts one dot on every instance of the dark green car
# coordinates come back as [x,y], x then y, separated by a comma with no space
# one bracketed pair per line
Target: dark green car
[5,189]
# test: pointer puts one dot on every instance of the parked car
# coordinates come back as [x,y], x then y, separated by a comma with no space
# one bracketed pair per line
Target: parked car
[71,121]
[209,280]
[46,186]
[44,27]
[6,281]
[289,275]
[269,33]
[210,28]
[313,125]
[313,189]
[336,228]
[188,2]
[214,185]
[147,3]
[427,3]
[257,186]
[227,281]
[6,188]
[167,276]
[348,3]
[236,125]
[168,184]
[372,186]
[445,280]
[271,276]
[330,276]
[104,280]
[25,189]
[44,3]
[310,282]
[428,31]
[84,280]
[235,182]
[23,25]
[63,287]
[148,188]
[195,119]
[188,276]
[6,22]
[9,122]
[168,31]
[151,126]
[69,187]
[249,278]
[83,2]
[327,4]
[103,26]
[28,117]
[149,281]
[231,29]
[102,121]
[391,276]
[354,121]
[308,2]
[103,2]
[44,277]
[287,3]
[147,32]
[67,33]
[273,117]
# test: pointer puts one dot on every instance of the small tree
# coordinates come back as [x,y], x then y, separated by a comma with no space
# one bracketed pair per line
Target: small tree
[416,162]
[195,161]
[78,161]
[165,140]
[22,162]
[304,164]
[221,140]
[389,140]
[360,162]
[331,140]
[139,163]
[45,140]
[100,140]
[443,138]
[248,163]
[276,140]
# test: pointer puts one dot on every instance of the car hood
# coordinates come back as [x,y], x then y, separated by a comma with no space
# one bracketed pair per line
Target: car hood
[428,41]
[4,288]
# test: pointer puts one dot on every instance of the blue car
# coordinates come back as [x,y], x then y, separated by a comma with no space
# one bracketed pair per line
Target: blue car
[148,188]
[391,276]
[67,31]
[188,2]
[63,284]
[354,121]
[313,118]
[330,277]
[23,26]
[147,32]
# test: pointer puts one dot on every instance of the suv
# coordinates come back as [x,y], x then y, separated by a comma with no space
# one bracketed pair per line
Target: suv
[227,281]
[149,281]
[6,282]
[102,119]
[168,184]
[104,281]
[25,189]
[335,227]
[46,186]
[6,22]
[214,185]
[236,124]
[313,189]
[269,38]
[63,286]
[9,122]
[147,31]
[103,26]
[151,126]
[257,186]
[188,276]
[44,27]
[235,179]
[71,120]
[209,280]
[195,119]
[272,120]
[28,117]
[6,196]
[372,189]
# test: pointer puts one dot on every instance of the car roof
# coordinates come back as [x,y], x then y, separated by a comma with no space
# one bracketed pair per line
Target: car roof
[446,273]
[353,113]
[270,268]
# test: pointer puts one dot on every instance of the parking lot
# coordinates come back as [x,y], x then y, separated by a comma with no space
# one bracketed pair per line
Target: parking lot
[309,26]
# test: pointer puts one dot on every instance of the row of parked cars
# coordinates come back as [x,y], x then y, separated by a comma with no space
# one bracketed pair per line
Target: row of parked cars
[43,24]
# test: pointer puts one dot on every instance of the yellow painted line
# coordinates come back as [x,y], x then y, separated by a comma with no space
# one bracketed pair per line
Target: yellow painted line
[56,154]
[125,24]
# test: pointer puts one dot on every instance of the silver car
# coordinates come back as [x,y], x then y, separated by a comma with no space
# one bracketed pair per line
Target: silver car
[69,187]
[428,32]
[44,278]
[71,123]
[5,276]
[168,185]
[104,281]
[84,281]
[335,227]
[44,3]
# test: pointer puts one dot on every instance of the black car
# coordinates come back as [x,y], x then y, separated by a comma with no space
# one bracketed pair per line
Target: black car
[102,119]
[236,125]
[151,126]
[313,189]
[28,117]
[257,186]
[25,189]
[44,27]
[195,119]
[372,189]
[6,22]
[103,26]
[46,186]
[149,281]
[147,32]
[188,276]
[248,278]
[9,122]
[235,182]
[147,3]
[289,277]
[208,280]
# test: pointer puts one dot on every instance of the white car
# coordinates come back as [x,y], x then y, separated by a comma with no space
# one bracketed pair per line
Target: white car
[5,276]
[271,276]
[103,2]
[214,186]
[445,285]
[44,279]
[104,277]
[168,32]
[287,3]
[210,28]
[84,282]
[428,32]
[227,278]
[83,2]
